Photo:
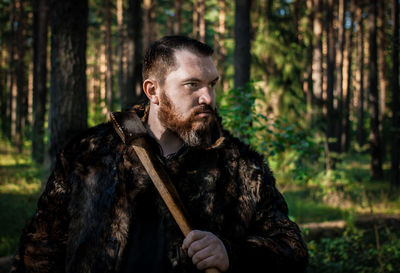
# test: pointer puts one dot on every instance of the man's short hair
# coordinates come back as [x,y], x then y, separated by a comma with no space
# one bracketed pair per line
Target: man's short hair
[159,59]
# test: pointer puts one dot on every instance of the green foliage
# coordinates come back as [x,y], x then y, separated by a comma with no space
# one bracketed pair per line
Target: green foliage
[285,143]
[355,251]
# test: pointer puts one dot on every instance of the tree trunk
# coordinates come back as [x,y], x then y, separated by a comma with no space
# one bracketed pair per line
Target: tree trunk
[308,83]
[22,92]
[68,98]
[395,173]
[382,33]
[40,40]
[317,68]
[360,75]
[347,90]
[11,111]
[339,73]
[202,20]
[109,54]
[121,55]
[330,114]
[3,94]
[177,17]
[375,138]
[220,49]
[149,25]
[135,48]
[195,28]
[242,43]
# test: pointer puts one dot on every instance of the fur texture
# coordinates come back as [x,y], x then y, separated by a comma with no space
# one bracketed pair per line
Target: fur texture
[84,215]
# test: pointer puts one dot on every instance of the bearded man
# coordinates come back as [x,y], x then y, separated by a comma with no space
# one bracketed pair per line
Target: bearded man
[101,213]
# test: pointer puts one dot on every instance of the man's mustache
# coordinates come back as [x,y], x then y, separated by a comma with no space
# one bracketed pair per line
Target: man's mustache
[204,108]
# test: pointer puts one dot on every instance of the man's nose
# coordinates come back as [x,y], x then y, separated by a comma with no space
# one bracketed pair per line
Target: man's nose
[206,95]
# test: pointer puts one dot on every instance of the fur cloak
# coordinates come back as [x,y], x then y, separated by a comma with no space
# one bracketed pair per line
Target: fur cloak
[86,213]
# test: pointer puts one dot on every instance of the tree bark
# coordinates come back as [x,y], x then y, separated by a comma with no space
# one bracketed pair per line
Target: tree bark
[308,83]
[395,173]
[68,98]
[347,90]
[40,41]
[202,20]
[382,78]
[360,75]
[177,17]
[330,114]
[135,48]
[220,49]
[109,55]
[339,73]
[22,92]
[317,68]
[149,15]
[375,138]
[382,34]
[195,28]
[11,112]
[121,55]
[242,43]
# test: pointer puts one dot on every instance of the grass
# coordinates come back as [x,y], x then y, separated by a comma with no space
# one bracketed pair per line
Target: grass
[20,184]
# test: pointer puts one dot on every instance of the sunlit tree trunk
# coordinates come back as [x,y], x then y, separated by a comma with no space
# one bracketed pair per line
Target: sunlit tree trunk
[330,114]
[202,20]
[395,173]
[121,54]
[177,25]
[382,73]
[150,32]
[219,42]
[68,98]
[3,92]
[348,83]
[195,28]
[374,137]
[308,83]
[317,68]
[109,54]
[40,41]
[339,73]
[360,76]
[11,112]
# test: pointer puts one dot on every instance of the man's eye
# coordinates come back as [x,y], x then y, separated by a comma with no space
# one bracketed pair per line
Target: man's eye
[191,84]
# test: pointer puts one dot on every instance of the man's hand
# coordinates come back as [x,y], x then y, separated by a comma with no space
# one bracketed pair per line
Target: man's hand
[206,250]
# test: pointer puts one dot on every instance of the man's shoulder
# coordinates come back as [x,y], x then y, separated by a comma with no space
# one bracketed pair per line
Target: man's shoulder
[236,149]
[96,139]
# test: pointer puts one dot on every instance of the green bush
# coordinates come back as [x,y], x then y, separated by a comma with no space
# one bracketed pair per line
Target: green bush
[290,149]
[356,251]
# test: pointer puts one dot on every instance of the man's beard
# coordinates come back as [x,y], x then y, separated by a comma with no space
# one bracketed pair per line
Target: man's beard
[194,130]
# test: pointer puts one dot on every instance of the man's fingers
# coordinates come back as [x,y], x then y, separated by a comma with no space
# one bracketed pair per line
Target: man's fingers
[206,263]
[192,236]
[201,255]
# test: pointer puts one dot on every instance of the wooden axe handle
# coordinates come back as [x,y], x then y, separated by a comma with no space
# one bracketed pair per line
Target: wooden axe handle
[163,185]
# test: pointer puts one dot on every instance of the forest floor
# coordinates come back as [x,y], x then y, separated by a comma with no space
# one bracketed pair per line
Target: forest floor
[326,207]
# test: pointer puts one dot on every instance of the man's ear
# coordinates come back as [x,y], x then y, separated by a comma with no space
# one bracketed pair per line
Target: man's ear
[150,89]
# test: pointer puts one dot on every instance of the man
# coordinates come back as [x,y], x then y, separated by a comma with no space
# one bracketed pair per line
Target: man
[101,213]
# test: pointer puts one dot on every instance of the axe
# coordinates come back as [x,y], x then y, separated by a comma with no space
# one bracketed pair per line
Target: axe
[156,171]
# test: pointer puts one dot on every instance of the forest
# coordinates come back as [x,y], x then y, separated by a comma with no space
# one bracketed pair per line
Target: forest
[313,85]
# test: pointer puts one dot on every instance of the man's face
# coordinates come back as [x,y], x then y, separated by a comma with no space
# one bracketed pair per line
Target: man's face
[187,98]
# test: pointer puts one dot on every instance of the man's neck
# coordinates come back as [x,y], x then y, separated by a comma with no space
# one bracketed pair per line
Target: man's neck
[169,141]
